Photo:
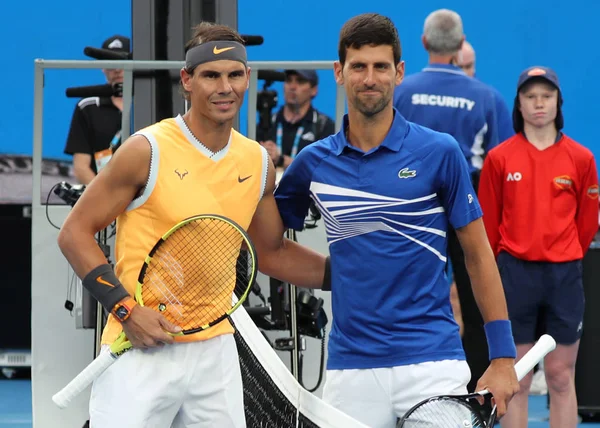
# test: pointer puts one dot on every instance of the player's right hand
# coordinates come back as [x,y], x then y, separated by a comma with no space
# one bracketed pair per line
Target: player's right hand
[146,328]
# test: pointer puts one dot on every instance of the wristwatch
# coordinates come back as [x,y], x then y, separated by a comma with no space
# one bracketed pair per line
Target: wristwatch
[122,310]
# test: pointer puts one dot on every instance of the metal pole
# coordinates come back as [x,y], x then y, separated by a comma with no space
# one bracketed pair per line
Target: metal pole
[38,125]
[252,98]
[129,65]
[340,107]
[127,101]
[291,235]
[175,65]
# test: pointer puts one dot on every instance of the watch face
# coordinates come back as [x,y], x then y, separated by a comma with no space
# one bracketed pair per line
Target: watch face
[121,312]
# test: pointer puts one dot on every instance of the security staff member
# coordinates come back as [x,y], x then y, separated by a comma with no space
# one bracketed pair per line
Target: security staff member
[297,124]
[96,123]
[466,60]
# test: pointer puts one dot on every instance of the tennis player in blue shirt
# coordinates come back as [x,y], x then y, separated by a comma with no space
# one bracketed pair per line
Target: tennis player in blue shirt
[387,189]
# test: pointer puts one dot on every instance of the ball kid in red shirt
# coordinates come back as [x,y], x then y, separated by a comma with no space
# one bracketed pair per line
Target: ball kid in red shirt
[539,196]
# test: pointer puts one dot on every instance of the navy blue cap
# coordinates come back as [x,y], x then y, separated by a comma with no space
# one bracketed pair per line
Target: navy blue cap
[310,75]
[538,72]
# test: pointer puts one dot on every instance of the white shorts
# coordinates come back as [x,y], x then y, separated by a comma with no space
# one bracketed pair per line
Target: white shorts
[378,397]
[192,385]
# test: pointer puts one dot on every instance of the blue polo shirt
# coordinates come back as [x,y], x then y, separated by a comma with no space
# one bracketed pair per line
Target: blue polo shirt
[442,97]
[505,125]
[386,213]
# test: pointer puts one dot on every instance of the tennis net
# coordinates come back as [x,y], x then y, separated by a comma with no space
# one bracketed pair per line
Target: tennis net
[273,398]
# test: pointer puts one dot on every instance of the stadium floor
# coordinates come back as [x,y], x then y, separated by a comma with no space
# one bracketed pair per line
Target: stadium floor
[15,407]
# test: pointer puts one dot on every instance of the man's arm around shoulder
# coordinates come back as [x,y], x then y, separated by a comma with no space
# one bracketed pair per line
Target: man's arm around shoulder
[282,258]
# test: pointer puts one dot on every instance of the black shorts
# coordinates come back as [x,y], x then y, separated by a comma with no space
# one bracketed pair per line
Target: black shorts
[551,290]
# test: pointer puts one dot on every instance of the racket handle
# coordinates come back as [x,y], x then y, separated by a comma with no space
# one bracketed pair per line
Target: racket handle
[543,347]
[63,397]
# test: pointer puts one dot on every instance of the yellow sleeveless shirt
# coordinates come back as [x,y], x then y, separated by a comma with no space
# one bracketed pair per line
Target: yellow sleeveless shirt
[186,179]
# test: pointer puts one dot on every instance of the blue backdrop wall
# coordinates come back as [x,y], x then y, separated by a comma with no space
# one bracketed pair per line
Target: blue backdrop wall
[49,30]
[508,37]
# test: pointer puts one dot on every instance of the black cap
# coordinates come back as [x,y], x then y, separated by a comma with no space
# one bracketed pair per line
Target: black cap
[117,43]
[536,71]
[310,75]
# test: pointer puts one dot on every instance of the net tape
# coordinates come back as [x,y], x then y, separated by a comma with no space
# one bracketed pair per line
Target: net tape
[273,398]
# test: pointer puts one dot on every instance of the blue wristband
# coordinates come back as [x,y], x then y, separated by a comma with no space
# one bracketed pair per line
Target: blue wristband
[500,339]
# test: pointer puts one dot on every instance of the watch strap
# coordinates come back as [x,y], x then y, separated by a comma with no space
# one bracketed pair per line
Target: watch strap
[129,303]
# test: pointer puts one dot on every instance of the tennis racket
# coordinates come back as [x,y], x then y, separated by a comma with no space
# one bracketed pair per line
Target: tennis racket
[465,411]
[196,275]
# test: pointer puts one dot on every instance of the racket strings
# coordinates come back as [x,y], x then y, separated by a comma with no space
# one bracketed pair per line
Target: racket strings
[443,413]
[198,273]
[162,289]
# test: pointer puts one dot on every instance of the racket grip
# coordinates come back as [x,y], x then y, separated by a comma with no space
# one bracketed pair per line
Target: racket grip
[63,397]
[543,347]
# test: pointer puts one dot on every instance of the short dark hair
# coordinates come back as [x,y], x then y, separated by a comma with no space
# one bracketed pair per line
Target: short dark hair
[517,116]
[208,32]
[370,29]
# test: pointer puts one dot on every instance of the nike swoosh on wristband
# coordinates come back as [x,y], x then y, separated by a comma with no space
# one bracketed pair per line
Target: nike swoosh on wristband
[101,281]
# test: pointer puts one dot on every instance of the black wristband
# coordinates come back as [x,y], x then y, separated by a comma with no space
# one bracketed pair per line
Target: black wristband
[102,283]
[327,277]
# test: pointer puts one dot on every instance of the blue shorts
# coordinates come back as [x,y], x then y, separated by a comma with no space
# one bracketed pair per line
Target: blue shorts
[552,291]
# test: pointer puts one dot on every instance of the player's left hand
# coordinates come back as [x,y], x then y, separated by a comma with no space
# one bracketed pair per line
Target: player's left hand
[501,380]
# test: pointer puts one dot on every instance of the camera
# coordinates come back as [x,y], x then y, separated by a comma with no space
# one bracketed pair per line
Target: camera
[266,100]
[68,193]
[106,90]
[311,315]
[118,89]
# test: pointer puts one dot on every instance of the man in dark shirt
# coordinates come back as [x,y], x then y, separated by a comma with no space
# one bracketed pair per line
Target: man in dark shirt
[297,124]
[96,123]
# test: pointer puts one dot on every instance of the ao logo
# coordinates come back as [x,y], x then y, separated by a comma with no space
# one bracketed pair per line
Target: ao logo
[514,176]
